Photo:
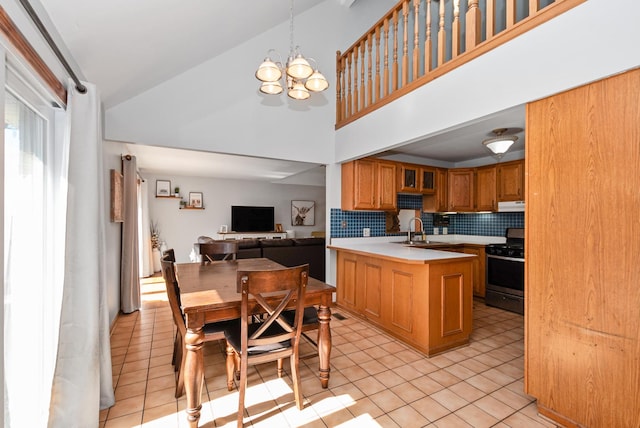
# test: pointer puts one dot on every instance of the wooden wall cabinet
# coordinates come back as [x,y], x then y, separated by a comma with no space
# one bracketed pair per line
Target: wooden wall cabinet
[418,179]
[408,178]
[428,180]
[461,195]
[510,179]
[437,202]
[369,184]
[486,189]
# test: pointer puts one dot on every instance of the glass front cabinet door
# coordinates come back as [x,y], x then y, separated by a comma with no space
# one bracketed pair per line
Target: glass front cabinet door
[427,180]
[408,179]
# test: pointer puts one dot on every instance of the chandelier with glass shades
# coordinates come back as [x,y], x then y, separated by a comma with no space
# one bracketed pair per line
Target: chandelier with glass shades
[297,75]
[500,143]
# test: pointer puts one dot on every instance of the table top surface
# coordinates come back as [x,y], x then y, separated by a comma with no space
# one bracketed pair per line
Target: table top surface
[214,286]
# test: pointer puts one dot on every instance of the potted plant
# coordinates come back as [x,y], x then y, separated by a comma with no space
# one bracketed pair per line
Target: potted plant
[176,192]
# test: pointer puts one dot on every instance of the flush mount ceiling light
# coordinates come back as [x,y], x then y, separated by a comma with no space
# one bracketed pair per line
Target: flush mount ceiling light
[297,75]
[500,143]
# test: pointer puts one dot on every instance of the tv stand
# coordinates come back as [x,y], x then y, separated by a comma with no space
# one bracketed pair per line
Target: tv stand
[250,235]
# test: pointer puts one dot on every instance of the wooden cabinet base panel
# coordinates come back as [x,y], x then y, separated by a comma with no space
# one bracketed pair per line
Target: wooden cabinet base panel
[429,352]
[556,418]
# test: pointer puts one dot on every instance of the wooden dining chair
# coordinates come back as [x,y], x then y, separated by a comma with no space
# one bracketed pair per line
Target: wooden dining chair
[272,338]
[218,250]
[212,331]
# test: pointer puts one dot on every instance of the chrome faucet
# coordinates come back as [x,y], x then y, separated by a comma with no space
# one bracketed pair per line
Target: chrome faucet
[409,228]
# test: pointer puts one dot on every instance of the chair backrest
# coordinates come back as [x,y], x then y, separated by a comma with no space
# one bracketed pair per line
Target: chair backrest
[218,250]
[272,291]
[173,294]
[169,255]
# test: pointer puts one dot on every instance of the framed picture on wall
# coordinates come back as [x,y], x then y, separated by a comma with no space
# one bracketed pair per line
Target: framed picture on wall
[195,199]
[303,213]
[163,188]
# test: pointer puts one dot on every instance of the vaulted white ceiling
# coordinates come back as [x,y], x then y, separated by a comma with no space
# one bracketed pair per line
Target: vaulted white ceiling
[129,46]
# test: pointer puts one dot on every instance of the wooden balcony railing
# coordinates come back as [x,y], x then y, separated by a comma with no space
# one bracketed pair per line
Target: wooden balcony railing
[419,40]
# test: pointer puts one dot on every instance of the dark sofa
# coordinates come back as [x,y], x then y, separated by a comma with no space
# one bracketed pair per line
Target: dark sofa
[287,252]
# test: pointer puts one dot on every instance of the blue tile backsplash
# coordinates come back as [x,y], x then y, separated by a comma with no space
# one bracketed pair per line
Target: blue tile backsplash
[485,224]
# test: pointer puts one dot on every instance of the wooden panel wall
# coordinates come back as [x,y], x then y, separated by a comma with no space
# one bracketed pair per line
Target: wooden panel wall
[582,253]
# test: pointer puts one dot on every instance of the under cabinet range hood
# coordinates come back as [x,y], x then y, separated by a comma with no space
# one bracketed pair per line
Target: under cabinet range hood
[511,206]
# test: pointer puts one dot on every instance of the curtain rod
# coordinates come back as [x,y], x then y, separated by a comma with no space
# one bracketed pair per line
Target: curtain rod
[36,20]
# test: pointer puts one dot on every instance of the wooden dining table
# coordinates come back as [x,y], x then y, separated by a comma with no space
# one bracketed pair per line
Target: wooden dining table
[209,294]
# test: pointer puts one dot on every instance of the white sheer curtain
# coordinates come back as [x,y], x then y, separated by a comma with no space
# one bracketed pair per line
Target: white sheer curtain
[82,382]
[33,254]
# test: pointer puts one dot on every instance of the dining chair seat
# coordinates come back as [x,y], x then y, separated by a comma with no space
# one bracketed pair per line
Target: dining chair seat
[234,338]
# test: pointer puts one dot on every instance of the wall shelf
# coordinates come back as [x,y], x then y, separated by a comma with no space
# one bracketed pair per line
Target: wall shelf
[168,197]
[191,208]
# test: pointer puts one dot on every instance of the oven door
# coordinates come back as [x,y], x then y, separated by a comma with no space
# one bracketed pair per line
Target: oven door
[505,274]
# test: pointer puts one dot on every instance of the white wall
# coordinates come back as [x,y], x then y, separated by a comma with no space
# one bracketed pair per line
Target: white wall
[181,228]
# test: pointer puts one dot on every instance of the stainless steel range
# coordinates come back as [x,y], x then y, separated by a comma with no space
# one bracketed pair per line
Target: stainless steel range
[505,272]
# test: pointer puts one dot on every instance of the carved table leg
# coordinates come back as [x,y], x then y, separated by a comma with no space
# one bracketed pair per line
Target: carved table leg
[231,366]
[194,368]
[324,343]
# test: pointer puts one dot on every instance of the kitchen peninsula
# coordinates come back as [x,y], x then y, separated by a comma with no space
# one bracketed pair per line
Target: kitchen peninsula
[422,296]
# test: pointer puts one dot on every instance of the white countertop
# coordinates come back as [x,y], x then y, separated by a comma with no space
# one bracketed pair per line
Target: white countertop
[388,246]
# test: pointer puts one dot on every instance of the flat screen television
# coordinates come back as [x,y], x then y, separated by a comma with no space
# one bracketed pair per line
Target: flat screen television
[252,219]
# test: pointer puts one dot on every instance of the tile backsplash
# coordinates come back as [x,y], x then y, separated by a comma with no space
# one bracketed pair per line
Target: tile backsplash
[349,224]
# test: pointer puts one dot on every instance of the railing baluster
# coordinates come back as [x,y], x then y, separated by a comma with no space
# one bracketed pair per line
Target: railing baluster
[339,114]
[349,106]
[363,93]
[491,18]
[442,36]
[428,48]
[356,94]
[511,13]
[385,40]
[369,67]
[473,24]
[405,42]
[455,30]
[343,107]
[416,39]
[534,6]
[377,95]
[394,66]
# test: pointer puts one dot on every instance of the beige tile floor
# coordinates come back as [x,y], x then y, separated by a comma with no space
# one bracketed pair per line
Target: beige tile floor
[376,381]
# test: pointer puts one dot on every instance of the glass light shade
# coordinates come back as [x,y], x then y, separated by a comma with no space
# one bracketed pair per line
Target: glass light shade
[316,82]
[299,68]
[271,88]
[298,92]
[268,71]
[500,145]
